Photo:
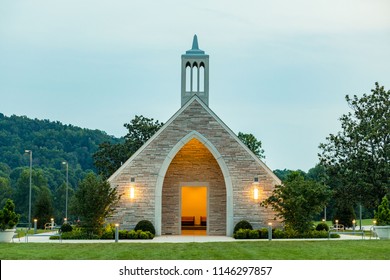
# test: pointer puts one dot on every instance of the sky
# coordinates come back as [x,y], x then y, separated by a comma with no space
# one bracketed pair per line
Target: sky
[278,69]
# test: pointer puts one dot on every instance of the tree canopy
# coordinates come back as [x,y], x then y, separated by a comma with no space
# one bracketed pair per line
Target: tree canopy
[357,158]
[110,157]
[252,143]
[298,201]
[94,201]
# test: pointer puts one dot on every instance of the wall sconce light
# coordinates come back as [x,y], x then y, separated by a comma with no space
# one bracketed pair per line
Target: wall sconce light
[256,188]
[256,193]
[132,190]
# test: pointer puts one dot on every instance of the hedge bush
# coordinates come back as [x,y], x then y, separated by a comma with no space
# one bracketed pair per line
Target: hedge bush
[145,225]
[66,228]
[280,234]
[242,225]
[241,234]
[322,226]
[108,232]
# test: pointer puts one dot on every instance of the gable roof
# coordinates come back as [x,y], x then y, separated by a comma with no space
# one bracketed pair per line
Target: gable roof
[195,98]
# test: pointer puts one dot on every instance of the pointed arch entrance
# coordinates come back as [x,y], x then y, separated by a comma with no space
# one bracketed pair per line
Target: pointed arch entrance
[193,161]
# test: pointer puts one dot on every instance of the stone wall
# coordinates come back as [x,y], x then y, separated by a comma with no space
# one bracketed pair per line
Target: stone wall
[146,165]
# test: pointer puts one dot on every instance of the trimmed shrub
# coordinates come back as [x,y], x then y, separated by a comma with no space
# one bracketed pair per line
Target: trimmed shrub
[66,228]
[76,233]
[108,232]
[150,235]
[242,225]
[263,233]
[253,234]
[132,234]
[143,235]
[241,234]
[322,226]
[122,234]
[145,225]
[278,233]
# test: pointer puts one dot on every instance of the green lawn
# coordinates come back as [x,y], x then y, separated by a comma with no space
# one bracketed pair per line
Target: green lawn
[254,250]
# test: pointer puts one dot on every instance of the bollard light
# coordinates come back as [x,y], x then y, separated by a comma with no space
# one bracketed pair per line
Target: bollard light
[116,232]
[35,226]
[269,231]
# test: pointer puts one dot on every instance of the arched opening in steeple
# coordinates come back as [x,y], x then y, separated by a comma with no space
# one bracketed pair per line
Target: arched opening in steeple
[195,77]
[201,77]
[188,77]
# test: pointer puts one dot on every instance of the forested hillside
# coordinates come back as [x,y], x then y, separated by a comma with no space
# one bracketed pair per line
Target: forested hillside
[51,143]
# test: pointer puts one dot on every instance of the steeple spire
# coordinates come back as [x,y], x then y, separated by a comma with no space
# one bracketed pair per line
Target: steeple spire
[195,47]
[195,74]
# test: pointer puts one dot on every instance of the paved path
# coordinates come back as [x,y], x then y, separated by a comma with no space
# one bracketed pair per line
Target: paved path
[45,238]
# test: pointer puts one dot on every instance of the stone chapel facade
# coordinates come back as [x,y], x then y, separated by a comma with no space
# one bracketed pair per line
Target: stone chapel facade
[194,150]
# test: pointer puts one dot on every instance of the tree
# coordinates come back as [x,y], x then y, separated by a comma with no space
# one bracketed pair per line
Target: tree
[357,159]
[252,143]
[382,216]
[8,217]
[43,207]
[93,202]
[60,200]
[297,201]
[110,157]
[283,174]
[5,190]
[21,194]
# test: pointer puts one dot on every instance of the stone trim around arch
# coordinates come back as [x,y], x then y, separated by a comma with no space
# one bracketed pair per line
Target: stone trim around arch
[222,165]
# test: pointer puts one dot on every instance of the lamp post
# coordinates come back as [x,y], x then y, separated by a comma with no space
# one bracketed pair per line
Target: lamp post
[29,198]
[66,192]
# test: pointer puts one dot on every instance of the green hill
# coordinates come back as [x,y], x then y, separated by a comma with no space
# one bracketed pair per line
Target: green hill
[51,144]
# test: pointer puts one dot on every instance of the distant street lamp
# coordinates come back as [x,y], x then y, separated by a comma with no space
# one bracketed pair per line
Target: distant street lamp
[29,199]
[67,186]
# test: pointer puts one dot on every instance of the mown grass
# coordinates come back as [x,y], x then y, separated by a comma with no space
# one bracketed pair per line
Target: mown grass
[255,250]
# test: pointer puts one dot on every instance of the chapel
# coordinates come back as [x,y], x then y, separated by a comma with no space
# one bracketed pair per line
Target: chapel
[194,176]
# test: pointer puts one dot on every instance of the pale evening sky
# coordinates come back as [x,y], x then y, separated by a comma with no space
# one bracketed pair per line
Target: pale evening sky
[278,69]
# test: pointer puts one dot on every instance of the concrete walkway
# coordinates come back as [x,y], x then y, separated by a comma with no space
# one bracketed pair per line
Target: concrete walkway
[45,238]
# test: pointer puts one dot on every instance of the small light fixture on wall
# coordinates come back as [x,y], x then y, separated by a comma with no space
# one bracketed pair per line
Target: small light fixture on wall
[256,193]
[132,189]
[256,188]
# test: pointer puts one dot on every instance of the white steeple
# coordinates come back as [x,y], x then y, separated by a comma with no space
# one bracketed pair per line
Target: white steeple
[195,74]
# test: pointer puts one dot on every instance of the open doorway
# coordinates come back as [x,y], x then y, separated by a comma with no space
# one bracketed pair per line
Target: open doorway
[194,210]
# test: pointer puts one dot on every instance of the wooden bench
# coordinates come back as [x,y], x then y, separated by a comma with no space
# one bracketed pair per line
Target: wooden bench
[203,220]
[188,220]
